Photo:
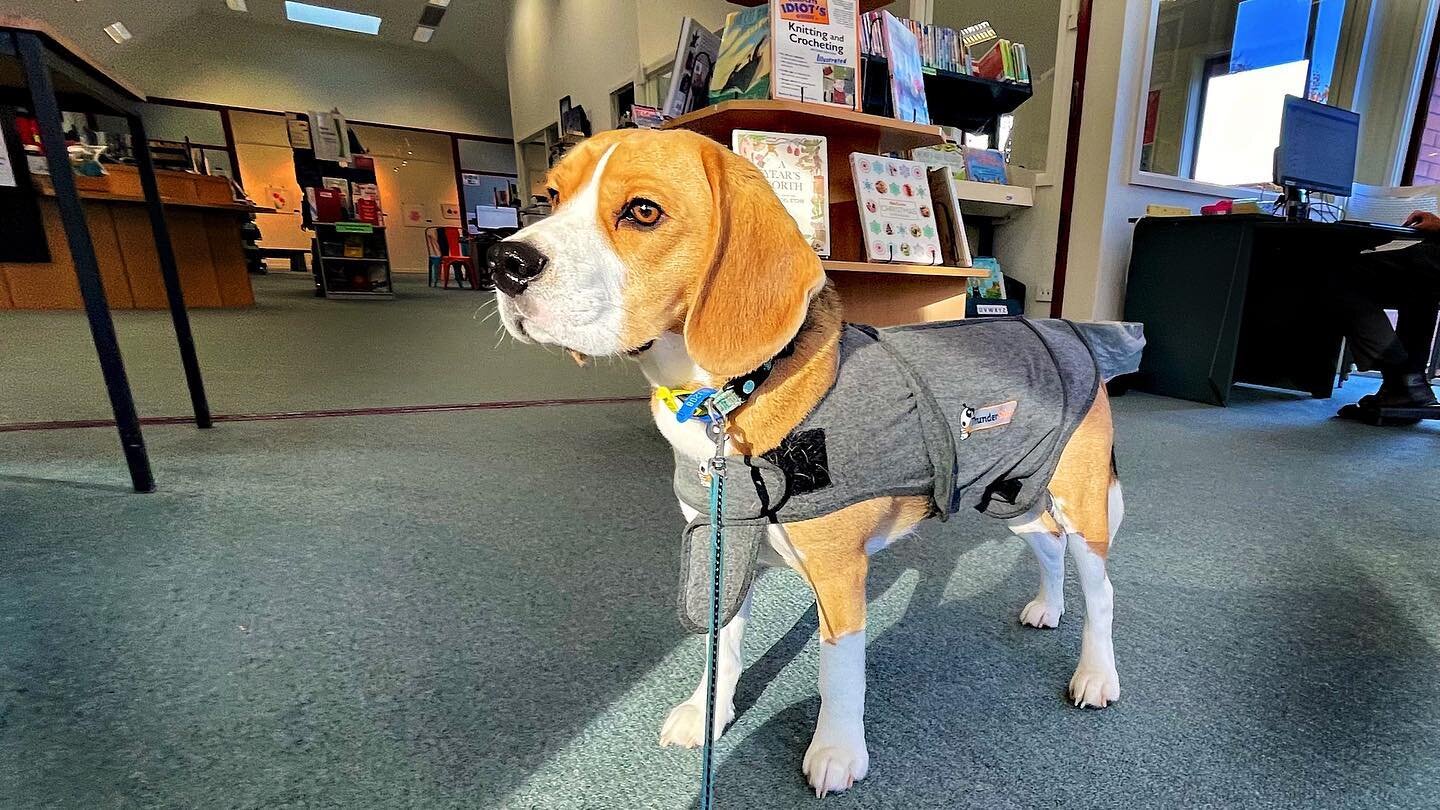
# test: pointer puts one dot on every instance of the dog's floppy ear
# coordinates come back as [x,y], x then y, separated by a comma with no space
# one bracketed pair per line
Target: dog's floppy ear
[752,300]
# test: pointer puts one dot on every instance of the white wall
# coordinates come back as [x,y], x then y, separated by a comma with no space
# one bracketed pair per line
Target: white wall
[207,57]
[587,49]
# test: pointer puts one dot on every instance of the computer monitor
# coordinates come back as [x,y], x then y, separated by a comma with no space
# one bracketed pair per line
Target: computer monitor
[1317,147]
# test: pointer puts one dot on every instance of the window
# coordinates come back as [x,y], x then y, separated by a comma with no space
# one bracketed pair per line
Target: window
[1219,74]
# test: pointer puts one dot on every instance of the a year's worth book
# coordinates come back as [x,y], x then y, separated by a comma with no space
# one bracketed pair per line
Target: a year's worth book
[897,215]
[797,169]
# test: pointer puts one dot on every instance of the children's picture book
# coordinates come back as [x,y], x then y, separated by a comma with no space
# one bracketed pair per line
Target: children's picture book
[897,215]
[949,223]
[796,167]
[694,65]
[985,166]
[907,79]
[991,286]
[949,155]
[742,69]
[817,51]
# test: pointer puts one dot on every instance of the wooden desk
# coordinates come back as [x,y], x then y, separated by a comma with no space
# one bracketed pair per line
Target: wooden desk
[204,224]
[1240,298]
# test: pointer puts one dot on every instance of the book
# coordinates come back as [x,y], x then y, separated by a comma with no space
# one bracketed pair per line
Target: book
[985,166]
[897,215]
[949,155]
[907,79]
[805,50]
[742,68]
[646,117]
[949,223]
[991,286]
[817,51]
[796,167]
[694,65]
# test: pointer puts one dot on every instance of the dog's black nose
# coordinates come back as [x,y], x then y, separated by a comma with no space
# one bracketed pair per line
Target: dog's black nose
[514,265]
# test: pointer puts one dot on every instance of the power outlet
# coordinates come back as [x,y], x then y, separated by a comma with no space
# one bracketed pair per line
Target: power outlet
[1044,293]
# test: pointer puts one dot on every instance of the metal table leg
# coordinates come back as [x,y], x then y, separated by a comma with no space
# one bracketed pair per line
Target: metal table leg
[82,252]
[166,253]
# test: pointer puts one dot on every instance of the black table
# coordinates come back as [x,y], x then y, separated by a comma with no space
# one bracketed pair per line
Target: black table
[41,70]
[1239,298]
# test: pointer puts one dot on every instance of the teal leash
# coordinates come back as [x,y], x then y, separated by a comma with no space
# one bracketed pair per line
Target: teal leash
[716,429]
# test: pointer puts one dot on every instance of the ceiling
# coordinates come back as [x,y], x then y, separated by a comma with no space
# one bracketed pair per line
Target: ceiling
[472,30]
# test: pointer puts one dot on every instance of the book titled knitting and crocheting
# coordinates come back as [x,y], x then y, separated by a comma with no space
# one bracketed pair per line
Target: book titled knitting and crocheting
[797,169]
[897,215]
[817,51]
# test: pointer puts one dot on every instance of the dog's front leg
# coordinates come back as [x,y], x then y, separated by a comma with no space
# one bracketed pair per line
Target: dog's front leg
[837,756]
[683,726]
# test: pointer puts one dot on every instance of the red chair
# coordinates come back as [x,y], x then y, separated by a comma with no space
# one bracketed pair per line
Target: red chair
[447,251]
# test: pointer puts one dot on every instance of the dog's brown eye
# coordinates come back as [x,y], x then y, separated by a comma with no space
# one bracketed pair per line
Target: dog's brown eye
[643,212]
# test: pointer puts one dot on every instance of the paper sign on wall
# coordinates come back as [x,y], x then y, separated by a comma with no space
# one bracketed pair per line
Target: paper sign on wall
[415,215]
[7,172]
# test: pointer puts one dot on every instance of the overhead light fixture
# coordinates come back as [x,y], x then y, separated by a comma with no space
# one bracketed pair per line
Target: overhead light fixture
[439,3]
[331,18]
[236,5]
[423,33]
[118,32]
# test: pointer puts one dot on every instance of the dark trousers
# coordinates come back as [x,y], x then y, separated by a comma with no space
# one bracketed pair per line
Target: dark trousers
[1407,281]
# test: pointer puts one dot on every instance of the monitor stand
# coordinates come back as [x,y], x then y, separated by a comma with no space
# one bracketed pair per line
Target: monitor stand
[1297,204]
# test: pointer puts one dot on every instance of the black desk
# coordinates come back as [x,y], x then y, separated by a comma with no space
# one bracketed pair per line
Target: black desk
[1239,298]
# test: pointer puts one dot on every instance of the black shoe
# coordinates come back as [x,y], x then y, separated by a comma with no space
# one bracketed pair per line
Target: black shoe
[1400,392]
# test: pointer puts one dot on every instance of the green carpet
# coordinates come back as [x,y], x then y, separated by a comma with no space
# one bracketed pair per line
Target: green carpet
[293,351]
[477,610]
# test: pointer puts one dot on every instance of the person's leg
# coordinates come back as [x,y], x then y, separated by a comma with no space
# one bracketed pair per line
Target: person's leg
[1407,281]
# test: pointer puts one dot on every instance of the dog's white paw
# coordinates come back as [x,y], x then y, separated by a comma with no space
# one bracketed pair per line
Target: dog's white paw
[1040,613]
[1094,686]
[835,761]
[683,726]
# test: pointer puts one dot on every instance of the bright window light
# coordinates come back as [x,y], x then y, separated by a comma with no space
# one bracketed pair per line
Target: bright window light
[1240,127]
[331,18]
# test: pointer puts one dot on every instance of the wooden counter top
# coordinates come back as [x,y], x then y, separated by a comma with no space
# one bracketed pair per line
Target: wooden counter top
[177,189]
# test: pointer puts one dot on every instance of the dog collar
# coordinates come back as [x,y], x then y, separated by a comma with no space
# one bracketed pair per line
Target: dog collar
[701,404]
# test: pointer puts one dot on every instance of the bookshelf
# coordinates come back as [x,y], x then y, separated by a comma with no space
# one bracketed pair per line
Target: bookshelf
[882,294]
[865,5]
[955,99]
[343,274]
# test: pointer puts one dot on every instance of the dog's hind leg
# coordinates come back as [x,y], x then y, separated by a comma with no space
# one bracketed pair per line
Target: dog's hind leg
[683,726]
[1048,542]
[1088,505]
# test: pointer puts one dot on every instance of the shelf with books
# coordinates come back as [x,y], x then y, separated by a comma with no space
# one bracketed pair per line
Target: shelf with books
[835,265]
[880,133]
[955,99]
[865,5]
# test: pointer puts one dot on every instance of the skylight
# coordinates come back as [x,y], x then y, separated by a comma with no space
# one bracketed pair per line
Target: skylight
[331,18]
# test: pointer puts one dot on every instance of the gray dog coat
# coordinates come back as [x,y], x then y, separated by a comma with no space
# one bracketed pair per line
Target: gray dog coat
[971,413]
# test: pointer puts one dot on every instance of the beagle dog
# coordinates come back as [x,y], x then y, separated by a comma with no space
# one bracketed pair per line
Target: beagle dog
[667,247]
